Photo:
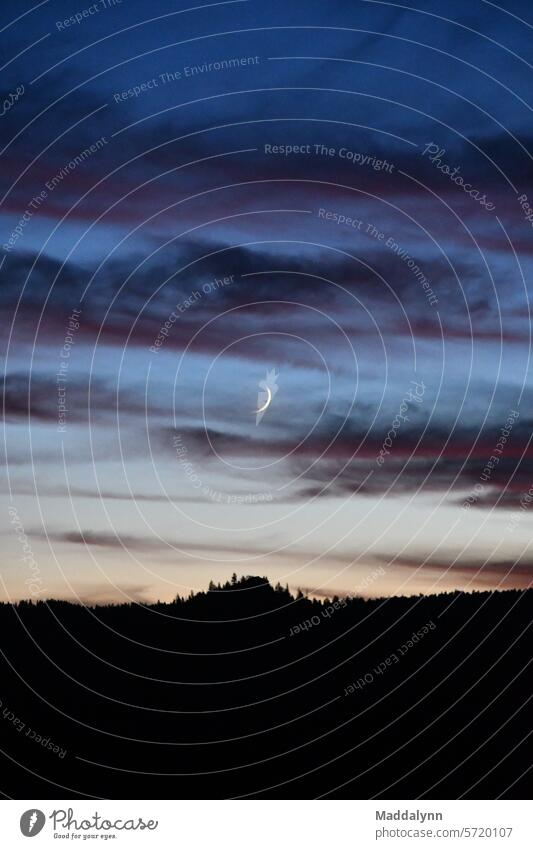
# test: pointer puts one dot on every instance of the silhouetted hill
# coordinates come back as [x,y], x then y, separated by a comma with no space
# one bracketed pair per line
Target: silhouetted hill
[246,690]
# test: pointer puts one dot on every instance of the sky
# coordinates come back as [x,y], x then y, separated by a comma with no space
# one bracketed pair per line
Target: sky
[325,208]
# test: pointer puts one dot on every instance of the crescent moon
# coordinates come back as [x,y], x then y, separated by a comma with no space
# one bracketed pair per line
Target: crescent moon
[267,402]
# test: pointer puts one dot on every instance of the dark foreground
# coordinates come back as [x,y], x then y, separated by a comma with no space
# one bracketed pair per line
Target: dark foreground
[179,701]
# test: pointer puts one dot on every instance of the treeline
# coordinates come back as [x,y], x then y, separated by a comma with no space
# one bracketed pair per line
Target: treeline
[249,690]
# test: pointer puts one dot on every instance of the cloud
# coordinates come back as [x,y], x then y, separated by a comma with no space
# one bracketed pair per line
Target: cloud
[105,494]
[426,457]
[36,397]
[482,571]
[147,543]
[271,288]
[106,540]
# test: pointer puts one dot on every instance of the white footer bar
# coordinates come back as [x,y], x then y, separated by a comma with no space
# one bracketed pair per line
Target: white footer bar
[266,824]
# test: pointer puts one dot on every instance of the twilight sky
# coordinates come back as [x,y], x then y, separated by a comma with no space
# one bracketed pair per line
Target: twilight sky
[193,197]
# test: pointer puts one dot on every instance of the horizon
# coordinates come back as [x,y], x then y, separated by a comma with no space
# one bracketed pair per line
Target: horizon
[321,598]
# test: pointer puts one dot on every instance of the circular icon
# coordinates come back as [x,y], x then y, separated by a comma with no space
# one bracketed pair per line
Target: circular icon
[32,822]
